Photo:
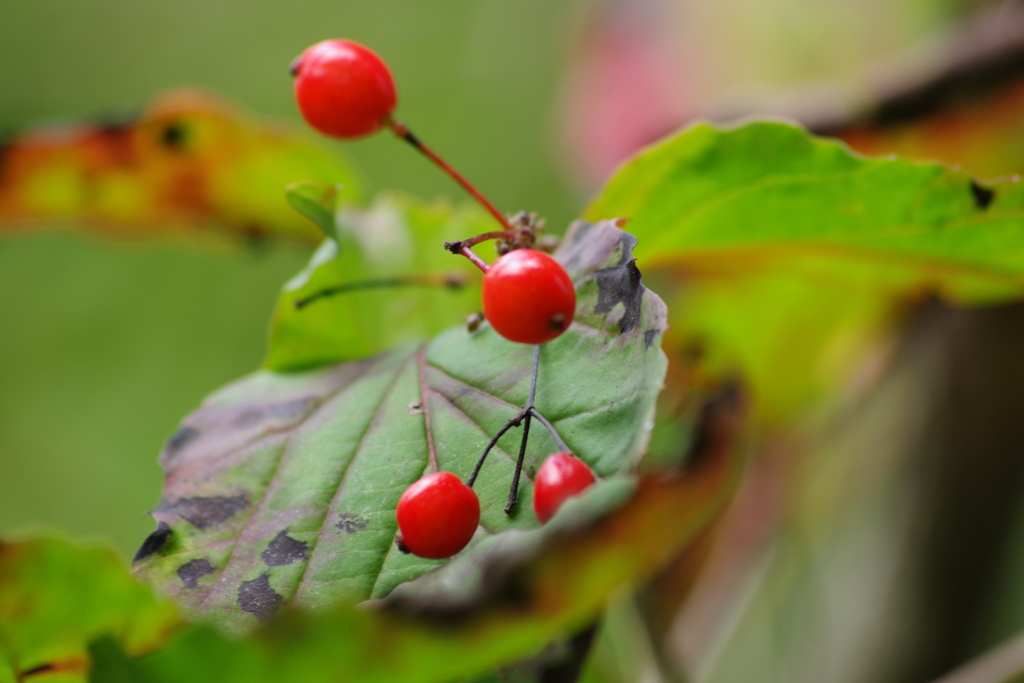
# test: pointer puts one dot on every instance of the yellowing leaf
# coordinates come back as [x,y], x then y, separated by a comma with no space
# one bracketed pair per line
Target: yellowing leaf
[190,161]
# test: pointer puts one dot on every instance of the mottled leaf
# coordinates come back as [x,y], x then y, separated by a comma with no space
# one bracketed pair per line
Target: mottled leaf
[190,161]
[56,597]
[282,487]
[525,588]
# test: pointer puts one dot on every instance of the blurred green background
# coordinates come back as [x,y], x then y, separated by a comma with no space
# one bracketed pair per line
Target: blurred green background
[105,346]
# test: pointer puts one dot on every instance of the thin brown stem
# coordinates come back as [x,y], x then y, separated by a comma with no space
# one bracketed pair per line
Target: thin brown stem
[514,422]
[473,241]
[551,430]
[527,413]
[402,131]
[513,493]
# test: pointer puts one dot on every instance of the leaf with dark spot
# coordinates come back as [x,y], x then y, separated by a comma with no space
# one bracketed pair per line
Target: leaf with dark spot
[284,550]
[505,600]
[193,570]
[181,438]
[621,285]
[203,513]
[258,599]
[288,410]
[983,196]
[649,337]
[65,172]
[351,524]
[325,454]
[154,542]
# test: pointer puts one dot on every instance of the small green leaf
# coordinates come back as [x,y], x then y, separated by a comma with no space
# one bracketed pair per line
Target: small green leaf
[317,202]
[389,266]
[282,487]
[56,597]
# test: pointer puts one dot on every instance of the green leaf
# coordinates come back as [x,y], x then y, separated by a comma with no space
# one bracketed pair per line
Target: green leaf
[793,254]
[111,664]
[282,487]
[317,202]
[399,242]
[55,597]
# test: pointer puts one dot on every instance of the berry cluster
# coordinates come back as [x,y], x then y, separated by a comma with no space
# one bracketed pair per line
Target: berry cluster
[346,91]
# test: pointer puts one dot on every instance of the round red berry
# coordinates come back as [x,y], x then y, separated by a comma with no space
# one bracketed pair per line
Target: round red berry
[343,89]
[437,516]
[528,297]
[561,476]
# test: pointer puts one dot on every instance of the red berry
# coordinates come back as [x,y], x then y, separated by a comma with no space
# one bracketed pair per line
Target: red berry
[343,89]
[437,516]
[561,476]
[528,297]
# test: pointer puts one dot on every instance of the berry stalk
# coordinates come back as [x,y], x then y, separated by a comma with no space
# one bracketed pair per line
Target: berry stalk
[522,418]
[513,492]
[514,422]
[402,131]
[551,430]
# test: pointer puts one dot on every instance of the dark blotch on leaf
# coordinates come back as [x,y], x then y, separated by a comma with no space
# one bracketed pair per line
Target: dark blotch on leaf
[284,550]
[42,668]
[183,437]
[192,571]
[287,410]
[153,542]
[983,196]
[350,524]
[620,284]
[173,135]
[204,512]
[649,337]
[258,599]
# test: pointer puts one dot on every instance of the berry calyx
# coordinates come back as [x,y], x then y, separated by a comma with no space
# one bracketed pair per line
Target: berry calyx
[437,516]
[528,297]
[343,89]
[561,476]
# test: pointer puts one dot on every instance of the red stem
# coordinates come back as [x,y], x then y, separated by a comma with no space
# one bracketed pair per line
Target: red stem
[473,258]
[403,132]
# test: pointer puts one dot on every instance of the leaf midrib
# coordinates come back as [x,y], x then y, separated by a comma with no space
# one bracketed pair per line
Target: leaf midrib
[348,468]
